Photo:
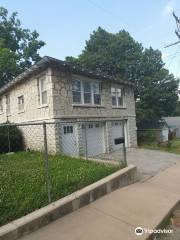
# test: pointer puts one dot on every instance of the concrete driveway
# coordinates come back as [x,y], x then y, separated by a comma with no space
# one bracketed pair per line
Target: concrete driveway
[148,162]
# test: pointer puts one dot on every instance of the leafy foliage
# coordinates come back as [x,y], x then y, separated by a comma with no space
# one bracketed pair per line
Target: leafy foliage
[119,55]
[11,139]
[18,47]
[23,186]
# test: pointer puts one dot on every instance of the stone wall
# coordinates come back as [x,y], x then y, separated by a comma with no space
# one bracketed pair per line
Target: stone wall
[64,108]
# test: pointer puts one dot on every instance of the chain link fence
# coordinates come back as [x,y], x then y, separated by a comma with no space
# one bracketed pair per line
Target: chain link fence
[36,157]
[153,136]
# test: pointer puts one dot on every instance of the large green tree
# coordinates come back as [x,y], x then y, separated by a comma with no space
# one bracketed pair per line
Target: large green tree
[119,55]
[18,47]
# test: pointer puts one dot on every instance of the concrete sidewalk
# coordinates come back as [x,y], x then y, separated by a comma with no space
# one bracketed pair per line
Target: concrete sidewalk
[115,216]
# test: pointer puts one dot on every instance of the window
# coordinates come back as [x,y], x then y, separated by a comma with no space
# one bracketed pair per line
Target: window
[42,89]
[1,105]
[97,93]
[117,97]
[8,110]
[68,129]
[86,92]
[21,103]
[76,90]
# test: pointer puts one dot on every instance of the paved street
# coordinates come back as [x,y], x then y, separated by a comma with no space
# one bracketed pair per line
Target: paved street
[116,215]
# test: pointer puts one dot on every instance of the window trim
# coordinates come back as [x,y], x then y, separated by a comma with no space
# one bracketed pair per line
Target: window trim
[8,103]
[20,110]
[1,105]
[40,92]
[92,93]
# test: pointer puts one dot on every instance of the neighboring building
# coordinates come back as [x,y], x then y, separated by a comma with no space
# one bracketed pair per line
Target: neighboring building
[158,130]
[174,125]
[56,91]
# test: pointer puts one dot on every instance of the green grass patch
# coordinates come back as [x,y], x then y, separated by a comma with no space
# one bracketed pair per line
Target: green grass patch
[172,147]
[23,185]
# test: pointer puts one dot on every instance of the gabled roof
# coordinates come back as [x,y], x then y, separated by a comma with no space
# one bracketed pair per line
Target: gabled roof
[47,61]
[172,122]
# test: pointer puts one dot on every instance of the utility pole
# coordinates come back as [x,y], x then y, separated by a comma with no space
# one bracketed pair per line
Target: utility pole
[177,31]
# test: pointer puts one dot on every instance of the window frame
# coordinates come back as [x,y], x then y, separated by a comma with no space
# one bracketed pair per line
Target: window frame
[20,104]
[42,91]
[92,93]
[8,105]
[115,93]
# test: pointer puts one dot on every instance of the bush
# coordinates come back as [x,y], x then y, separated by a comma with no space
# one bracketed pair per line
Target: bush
[11,139]
[146,136]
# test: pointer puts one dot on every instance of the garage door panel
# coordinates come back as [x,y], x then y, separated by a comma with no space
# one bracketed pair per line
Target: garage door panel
[117,135]
[95,139]
[69,140]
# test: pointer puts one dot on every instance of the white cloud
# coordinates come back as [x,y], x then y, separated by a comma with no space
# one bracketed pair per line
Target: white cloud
[168,8]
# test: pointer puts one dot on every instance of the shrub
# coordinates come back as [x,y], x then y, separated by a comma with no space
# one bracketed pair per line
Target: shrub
[146,136]
[11,139]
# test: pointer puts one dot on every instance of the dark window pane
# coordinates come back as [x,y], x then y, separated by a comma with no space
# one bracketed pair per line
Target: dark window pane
[76,85]
[71,129]
[114,100]
[120,101]
[87,87]
[96,88]
[97,99]
[76,97]
[87,97]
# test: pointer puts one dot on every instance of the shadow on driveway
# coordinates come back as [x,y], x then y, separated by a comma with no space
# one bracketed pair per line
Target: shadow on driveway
[148,162]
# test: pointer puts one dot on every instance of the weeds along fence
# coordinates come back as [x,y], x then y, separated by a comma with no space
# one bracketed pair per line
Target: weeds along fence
[152,136]
[41,162]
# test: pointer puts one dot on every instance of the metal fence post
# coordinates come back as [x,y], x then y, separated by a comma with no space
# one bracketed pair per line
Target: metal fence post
[124,144]
[85,135]
[9,143]
[46,162]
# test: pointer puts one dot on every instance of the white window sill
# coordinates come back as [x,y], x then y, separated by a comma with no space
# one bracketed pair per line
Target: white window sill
[119,107]
[43,106]
[23,111]
[88,105]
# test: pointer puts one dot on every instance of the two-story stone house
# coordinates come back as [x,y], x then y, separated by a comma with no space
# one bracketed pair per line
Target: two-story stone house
[56,91]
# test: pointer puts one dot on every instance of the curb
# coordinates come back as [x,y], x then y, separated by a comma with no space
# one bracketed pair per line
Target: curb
[152,236]
[43,216]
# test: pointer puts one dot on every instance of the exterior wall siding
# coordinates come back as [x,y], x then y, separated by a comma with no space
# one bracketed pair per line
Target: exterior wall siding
[65,109]
[60,108]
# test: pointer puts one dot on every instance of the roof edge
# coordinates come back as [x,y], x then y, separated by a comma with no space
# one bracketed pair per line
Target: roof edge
[49,61]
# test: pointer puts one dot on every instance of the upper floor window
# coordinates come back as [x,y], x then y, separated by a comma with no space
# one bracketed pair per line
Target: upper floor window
[117,97]
[42,88]
[85,92]
[1,105]
[21,103]
[8,110]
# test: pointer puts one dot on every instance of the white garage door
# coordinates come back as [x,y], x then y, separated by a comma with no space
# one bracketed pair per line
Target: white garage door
[117,134]
[95,139]
[69,140]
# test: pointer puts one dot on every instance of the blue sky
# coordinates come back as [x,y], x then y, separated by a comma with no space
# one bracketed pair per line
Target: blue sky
[65,25]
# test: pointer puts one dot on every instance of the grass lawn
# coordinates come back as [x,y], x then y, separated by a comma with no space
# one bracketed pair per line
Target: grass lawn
[22,181]
[173,146]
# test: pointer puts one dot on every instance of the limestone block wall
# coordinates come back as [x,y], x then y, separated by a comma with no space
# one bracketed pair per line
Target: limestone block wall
[63,105]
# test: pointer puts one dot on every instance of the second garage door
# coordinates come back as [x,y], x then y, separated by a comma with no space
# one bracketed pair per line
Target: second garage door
[117,134]
[95,139]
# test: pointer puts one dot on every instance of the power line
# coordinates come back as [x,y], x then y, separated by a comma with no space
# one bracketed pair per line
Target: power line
[177,31]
